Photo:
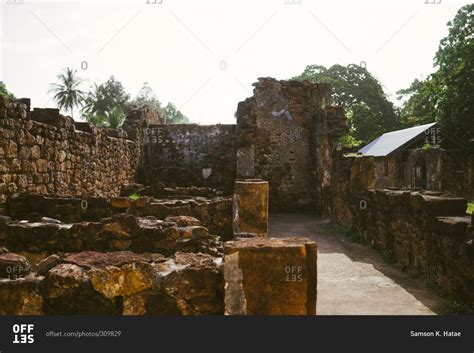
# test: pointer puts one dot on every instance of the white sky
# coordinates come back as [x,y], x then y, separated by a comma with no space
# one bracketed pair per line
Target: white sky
[204,56]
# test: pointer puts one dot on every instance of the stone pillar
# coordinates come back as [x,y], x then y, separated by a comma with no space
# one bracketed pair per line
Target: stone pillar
[270,276]
[250,207]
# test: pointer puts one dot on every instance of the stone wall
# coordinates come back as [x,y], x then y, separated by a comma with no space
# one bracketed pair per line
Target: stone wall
[46,153]
[424,232]
[433,169]
[186,155]
[286,135]
[427,235]
[214,212]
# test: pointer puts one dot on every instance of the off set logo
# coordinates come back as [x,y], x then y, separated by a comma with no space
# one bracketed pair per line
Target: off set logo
[23,333]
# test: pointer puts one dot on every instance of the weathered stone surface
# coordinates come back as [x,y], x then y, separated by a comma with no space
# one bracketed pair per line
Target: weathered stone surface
[188,155]
[64,279]
[48,263]
[48,153]
[126,280]
[270,276]
[21,297]
[66,209]
[215,213]
[183,221]
[250,207]
[117,233]
[286,134]
[120,202]
[194,284]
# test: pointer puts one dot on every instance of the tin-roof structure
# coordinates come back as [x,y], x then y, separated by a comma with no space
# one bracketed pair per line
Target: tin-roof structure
[394,140]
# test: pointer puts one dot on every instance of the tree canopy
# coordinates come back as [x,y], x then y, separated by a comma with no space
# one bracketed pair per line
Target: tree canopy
[455,76]
[4,91]
[354,88]
[169,113]
[447,95]
[105,103]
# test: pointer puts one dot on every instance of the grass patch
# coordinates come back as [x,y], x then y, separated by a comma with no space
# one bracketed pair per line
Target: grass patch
[134,196]
[470,207]
[457,308]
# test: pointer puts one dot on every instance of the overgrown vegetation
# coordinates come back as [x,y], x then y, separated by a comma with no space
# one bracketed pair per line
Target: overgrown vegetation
[470,207]
[134,196]
[447,95]
[368,110]
[105,104]
[4,91]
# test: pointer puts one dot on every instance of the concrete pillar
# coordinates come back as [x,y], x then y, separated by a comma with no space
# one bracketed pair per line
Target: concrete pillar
[270,276]
[250,207]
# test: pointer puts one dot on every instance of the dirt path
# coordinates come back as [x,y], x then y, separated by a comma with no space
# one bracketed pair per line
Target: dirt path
[354,279]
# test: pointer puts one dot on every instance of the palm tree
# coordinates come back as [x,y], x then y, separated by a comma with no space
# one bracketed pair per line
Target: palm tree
[67,93]
[114,117]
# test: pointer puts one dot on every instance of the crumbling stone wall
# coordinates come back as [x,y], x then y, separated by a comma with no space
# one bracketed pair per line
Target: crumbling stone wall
[422,233]
[433,169]
[214,213]
[286,135]
[187,155]
[46,153]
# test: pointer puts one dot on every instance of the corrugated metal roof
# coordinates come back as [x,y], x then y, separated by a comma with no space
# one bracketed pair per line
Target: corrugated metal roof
[390,141]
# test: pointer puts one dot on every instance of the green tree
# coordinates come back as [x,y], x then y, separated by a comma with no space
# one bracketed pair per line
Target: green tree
[66,92]
[369,111]
[105,103]
[455,76]
[4,91]
[173,116]
[170,114]
[420,102]
[114,117]
[146,96]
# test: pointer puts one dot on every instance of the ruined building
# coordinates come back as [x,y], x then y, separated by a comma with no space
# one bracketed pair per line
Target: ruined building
[172,219]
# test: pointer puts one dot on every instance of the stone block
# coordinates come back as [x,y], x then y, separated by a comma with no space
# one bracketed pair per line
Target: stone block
[250,207]
[270,276]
